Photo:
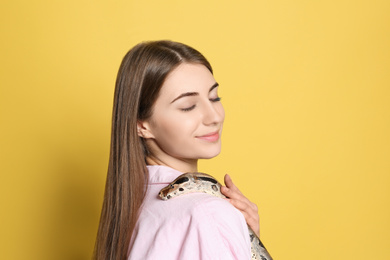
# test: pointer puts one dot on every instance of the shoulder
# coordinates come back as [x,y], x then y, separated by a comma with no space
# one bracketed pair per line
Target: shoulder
[213,214]
[195,207]
[192,226]
[222,226]
[221,214]
[205,205]
[199,205]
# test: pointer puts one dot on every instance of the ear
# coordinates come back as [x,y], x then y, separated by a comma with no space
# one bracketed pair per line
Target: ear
[144,130]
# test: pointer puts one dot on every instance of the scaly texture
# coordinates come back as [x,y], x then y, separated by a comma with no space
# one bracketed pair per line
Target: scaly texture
[202,182]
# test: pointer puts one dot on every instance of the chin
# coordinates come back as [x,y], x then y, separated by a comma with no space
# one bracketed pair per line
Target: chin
[208,157]
[209,154]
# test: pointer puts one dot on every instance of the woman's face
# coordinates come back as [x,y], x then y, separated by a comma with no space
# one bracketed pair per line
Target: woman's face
[187,117]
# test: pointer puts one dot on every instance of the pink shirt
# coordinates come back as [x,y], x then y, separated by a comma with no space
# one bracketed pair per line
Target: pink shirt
[193,226]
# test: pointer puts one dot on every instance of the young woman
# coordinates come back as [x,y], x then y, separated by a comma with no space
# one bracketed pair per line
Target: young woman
[167,114]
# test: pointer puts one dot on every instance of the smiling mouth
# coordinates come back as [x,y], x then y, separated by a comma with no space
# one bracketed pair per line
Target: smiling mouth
[212,137]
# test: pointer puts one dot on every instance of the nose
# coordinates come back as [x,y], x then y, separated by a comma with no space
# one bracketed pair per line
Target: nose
[213,113]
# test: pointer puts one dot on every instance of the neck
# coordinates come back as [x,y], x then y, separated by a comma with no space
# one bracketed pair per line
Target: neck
[181,165]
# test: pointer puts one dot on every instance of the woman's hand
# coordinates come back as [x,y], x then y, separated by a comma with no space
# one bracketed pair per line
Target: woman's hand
[238,200]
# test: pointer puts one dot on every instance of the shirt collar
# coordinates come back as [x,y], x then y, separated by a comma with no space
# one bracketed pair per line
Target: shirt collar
[162,174]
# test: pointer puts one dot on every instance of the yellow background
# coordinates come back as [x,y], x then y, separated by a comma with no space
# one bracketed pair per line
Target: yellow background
[306,89]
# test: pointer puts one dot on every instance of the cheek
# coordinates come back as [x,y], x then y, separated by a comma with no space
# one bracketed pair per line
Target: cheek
[174,135]
[221,111]
[174,127]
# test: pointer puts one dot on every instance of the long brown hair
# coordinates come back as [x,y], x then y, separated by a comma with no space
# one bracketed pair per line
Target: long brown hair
[139,80]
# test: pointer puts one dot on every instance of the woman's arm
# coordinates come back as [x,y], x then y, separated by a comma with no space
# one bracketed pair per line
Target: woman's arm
[242,203]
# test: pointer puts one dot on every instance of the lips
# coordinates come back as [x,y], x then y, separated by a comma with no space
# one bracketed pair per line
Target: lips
[211,137]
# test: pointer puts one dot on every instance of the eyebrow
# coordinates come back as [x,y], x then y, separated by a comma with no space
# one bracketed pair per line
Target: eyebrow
[189,94]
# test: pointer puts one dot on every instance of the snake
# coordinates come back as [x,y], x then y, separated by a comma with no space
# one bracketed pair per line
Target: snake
[191,182]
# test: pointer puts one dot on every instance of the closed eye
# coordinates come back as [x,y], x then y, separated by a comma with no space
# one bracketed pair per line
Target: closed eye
[188,108]
[193,106]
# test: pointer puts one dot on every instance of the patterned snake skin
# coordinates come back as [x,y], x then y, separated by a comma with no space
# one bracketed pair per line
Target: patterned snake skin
[202,182]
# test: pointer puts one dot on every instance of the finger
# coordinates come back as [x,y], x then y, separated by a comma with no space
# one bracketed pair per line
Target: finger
[229,183]
[253,223]
[244,207]
[249,213]
[232,194]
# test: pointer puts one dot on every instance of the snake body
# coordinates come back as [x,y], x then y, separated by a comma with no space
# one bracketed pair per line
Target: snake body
[202,182]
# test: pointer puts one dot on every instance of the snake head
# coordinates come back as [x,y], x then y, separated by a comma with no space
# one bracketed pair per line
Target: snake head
[174,188]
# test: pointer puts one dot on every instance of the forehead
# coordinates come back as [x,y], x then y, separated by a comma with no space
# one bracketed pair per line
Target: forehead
[187,77]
